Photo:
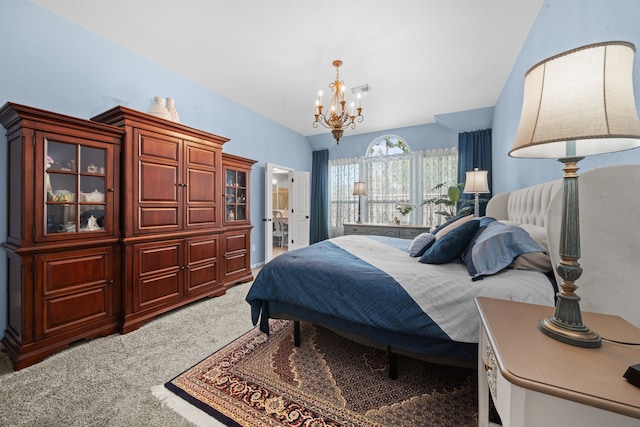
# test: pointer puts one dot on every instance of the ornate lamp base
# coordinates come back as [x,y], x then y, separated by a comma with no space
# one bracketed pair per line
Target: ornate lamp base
[567,326]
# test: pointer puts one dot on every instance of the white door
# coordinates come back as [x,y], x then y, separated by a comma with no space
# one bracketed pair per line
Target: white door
[299,209]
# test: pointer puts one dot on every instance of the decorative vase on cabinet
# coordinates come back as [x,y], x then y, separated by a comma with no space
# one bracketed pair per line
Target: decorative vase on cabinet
[159,108]
[171,106]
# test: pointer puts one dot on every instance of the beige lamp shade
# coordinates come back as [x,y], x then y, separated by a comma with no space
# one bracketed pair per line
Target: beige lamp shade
[476,181]
[358,189]
[578,103]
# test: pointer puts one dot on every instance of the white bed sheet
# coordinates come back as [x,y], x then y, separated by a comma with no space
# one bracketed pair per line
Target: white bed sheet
[446,291]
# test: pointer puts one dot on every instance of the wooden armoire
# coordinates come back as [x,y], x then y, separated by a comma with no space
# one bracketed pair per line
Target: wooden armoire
[114,220]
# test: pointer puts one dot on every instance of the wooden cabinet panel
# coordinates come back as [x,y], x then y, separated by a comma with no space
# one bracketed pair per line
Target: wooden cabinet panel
[237,266]
[73,296]
[77,308]
[158,273]
[202,265]
[156,182]
[201,199]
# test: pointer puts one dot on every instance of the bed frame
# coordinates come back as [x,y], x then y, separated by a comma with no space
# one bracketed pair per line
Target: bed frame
[610,242]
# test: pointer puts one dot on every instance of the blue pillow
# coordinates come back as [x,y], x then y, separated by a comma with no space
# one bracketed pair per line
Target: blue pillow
[496,248]
[420,244]
[451,245]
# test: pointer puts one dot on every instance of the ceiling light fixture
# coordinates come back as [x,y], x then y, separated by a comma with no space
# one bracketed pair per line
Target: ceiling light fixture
[338,117]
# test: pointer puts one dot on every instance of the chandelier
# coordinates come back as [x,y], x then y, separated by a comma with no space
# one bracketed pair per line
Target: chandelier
[338,117]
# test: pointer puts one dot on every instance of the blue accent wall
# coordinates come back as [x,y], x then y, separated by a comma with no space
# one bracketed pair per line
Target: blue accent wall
[561,25]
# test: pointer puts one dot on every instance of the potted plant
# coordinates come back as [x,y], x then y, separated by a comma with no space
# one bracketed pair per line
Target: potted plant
[450,204]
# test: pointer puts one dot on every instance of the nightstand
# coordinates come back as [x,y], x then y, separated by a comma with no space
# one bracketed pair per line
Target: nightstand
[535,380]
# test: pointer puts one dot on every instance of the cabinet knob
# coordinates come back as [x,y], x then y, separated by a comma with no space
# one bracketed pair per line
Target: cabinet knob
[111,190]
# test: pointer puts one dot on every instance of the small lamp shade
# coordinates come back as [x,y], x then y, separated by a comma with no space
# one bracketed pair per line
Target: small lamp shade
[476,181]
[358,189]
[578,103]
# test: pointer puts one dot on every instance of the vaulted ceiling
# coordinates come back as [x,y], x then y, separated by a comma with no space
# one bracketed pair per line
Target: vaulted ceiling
[420,57]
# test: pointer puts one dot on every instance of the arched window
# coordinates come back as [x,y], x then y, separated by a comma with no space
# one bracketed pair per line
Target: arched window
[387,145]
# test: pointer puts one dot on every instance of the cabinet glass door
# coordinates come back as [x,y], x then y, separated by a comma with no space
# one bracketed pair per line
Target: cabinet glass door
[74,188]
[235,196]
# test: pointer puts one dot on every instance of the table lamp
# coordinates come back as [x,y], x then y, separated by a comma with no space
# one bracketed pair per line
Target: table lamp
[577,103]
[476,182]
[358,190]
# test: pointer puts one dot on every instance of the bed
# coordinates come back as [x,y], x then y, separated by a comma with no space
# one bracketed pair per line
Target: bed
[369,289]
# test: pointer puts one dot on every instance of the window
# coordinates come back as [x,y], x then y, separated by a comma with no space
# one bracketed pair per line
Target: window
[392,174]
[387,178]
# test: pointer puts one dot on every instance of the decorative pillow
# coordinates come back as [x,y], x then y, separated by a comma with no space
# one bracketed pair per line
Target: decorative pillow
[420,244]
[540,261]
[496,248]
[537,233]
[453,225]
[447,222]
[450,246]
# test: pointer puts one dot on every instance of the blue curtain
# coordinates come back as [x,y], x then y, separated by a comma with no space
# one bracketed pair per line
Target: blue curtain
[319,225]
[474,151]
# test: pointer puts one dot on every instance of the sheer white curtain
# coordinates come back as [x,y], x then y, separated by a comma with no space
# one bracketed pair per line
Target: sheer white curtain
[343,205]
[439,167]
[390,180]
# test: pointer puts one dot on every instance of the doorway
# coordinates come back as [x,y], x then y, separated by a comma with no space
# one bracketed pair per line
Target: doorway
[286,210]
[280,211]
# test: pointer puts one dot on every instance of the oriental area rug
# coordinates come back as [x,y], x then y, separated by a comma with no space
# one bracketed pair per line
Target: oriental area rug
[261,380]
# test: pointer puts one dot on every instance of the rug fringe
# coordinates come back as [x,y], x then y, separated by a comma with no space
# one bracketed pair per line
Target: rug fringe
[184,408]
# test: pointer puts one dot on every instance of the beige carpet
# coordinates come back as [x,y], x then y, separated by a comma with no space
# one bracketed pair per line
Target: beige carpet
[108,381]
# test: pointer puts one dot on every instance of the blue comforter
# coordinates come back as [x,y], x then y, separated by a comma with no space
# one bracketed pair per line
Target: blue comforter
[371,287]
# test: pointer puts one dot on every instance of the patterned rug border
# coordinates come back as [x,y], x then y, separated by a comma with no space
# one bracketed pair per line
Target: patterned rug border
[198,403]
[276,327]
[217,372]
[201,405]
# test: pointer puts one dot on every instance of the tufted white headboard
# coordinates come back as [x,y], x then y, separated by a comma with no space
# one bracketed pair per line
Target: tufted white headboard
[609,233]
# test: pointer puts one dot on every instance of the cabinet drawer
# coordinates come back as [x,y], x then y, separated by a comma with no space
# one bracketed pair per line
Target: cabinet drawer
[75,309]
[410,233]
[348,229]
